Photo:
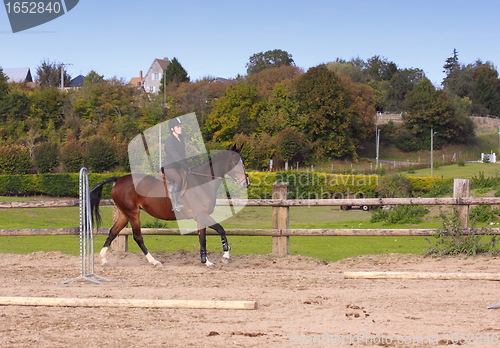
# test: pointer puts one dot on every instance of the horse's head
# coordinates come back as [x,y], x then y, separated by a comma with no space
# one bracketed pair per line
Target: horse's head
[236,168]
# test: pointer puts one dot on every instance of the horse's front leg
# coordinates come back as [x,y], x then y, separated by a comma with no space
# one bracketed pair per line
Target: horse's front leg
[225,245]
[202,235]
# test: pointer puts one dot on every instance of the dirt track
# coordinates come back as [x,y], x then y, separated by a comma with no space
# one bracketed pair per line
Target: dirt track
[298,298]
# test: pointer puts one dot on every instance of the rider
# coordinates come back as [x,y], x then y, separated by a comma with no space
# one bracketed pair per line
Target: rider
[175,160]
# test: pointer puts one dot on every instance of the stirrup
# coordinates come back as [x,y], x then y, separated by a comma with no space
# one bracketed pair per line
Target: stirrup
[177,207]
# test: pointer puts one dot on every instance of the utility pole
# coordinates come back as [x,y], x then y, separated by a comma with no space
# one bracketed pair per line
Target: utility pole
[432,149]
[62,75]
[377,137]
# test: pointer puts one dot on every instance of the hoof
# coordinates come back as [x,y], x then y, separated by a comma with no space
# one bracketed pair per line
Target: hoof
[105,264]
[210,264]
[158,264]
[226,261]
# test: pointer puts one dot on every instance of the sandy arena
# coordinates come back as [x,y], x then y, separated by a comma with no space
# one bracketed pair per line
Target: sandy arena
[301,302]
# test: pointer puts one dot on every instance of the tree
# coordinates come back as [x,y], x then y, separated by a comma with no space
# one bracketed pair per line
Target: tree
[430,108]
[459,82]
[354,69]
[268,59]
[236,112]
[402,82]
[93,77]
[46,157]
[380,69]
[336,113]
[485,94]
[451,63]
[281,109]
[4,84]
[173,73]
[49,74]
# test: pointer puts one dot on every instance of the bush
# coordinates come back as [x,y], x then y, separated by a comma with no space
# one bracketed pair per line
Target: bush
[14,159]
[461,162]
[55,185]
[394,186]
[402,214]
[72,156]
[411,169]
[100,155]
[407,142]
[483,213]
[451,240]
[46,157]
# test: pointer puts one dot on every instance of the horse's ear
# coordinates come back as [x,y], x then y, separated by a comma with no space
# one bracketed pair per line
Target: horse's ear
[232,147]
[239,149]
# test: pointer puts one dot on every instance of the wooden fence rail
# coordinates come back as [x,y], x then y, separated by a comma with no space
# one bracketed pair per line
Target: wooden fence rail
[280,204]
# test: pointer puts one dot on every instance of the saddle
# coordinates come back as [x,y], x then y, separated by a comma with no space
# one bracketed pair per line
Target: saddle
[168,184]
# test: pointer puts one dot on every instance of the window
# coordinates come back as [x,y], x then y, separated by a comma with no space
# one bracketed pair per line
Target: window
[156,76]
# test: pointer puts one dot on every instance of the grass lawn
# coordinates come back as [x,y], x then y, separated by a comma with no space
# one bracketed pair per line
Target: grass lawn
[470,170]
[325,248]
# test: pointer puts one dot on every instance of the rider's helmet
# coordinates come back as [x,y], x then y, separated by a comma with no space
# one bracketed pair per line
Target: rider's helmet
[174,122]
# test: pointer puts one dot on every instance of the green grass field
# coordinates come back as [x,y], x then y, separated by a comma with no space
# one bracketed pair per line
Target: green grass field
[470,170]
[325,248]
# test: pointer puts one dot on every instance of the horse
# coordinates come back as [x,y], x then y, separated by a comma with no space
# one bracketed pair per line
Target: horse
[199,201]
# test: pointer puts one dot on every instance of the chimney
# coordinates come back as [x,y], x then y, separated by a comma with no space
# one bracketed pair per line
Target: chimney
[140,75]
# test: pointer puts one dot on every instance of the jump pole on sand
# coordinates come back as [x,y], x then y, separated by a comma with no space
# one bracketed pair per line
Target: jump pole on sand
[128,303]
[422,275]
[86,234]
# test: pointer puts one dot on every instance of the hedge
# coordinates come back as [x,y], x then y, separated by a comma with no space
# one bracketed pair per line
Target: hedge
[302,185]
[54,185]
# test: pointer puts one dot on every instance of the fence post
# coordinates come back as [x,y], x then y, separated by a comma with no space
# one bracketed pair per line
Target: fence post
[461,189]
[281,245]
[121,242]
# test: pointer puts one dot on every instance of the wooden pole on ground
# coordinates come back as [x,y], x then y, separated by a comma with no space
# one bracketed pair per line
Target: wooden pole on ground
[421,275]
[129,303]
[281,244]
[461,189]
[121,241]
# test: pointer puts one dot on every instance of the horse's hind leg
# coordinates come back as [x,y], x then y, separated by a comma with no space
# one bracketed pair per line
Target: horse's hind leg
[113,232]
[202,235]
[136,229]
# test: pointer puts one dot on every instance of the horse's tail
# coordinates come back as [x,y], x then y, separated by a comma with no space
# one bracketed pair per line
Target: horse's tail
[95,198]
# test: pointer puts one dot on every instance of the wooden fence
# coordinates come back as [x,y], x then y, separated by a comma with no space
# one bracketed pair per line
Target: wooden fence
[280,204]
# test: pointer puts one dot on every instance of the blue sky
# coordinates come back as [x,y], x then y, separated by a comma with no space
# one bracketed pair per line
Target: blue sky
[216,38]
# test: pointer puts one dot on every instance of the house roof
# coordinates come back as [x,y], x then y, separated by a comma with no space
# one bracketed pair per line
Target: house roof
[135,81]
[18,75]
[163,62]
[77,81]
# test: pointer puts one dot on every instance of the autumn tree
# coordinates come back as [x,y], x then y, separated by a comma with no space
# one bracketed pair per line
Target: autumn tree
[268,59]
[236,112]
[331,116]
[49,74]
[4,84]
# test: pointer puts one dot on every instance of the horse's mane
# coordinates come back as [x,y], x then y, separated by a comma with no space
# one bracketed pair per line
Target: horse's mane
[210,158]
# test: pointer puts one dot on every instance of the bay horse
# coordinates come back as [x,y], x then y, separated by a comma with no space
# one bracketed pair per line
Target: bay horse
[199,201]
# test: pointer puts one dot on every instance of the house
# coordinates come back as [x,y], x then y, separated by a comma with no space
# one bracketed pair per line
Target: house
[77,81]
[18,75]
[137,81]
[154,75]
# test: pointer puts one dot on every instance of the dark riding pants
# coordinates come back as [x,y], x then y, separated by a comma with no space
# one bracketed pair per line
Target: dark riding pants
[173,175]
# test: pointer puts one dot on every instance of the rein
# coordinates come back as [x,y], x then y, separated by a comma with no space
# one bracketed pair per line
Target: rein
[213,175]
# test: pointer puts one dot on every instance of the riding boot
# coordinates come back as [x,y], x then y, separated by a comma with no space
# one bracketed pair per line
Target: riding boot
[176,191]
